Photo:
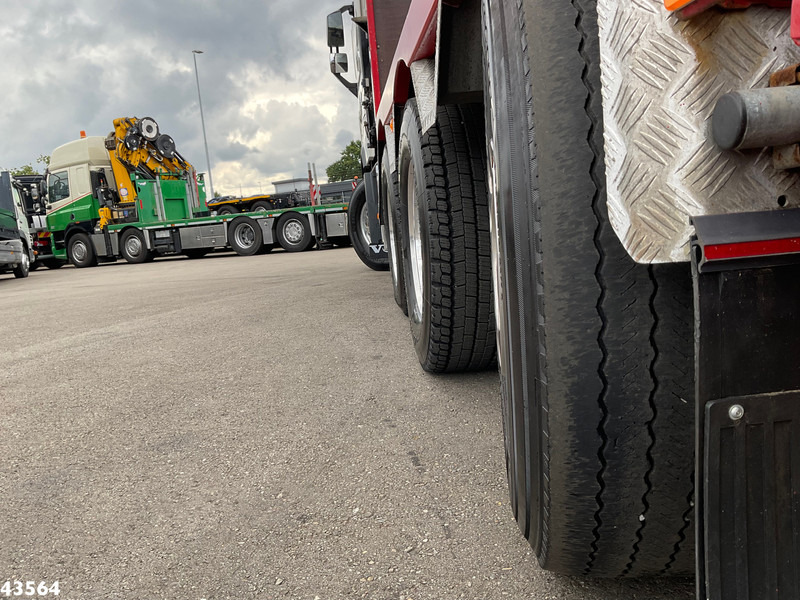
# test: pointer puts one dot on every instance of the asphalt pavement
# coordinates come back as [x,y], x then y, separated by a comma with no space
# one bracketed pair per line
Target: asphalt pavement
[250,428]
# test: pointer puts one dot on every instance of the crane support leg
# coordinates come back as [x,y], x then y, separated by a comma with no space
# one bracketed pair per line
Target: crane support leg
[746,271]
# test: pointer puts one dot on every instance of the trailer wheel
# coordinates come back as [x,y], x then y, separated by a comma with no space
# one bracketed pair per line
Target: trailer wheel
[133,248]
[595,351]
[262,206]
[448,271]
[80,251]
[244,235]
[24,267]
[294,232]
[393,232]
[227,210]
[372,255]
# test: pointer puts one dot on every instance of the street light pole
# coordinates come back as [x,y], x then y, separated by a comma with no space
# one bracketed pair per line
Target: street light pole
[203,122]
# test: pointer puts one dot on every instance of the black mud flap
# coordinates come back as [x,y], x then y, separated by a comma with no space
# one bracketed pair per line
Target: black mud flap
[746,272]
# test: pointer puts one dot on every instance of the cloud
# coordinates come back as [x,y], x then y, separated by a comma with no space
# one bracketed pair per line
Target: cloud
[269,102]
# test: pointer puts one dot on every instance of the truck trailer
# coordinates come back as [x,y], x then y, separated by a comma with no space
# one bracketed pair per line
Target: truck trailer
[602,197]
[131,194]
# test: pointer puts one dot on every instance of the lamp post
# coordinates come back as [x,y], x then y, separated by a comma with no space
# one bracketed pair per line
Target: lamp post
[203,122]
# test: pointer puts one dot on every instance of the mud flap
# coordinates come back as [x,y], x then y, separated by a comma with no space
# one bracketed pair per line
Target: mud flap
[746,271]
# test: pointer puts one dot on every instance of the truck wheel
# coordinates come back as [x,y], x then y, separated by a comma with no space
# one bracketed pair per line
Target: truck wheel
[196,252]
[595,351]
[80,251]
[391,220]
[374,256]
[245,237]
[133,248]
[53,263]
[294,232]
[262,206]
[227,210]
[24,267]
[448,270]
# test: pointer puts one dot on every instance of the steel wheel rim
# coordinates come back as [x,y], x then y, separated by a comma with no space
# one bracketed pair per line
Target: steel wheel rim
[26,261]
[293,231]
[363,224]
[245,236]
[414,244]
[79,251]
[498,283]
[133,245]
[394,258]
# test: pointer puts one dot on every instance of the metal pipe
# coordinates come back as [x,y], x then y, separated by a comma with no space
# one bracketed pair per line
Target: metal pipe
[757,118]
[203,122]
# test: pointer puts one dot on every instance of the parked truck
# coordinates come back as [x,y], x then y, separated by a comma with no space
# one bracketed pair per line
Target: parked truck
[33,190]
[132,194]
[16,249]
[606,192]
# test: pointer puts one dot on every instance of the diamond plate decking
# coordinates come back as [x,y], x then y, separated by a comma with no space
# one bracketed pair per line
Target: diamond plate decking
[661,78]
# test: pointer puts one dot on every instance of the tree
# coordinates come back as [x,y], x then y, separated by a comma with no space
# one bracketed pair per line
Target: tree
[348,166]
[28,169]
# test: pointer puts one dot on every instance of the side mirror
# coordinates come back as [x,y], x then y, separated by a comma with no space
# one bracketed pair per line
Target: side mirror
[339,63]
[335,30]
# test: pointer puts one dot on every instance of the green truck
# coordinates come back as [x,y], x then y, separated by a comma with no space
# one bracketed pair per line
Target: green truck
[132,195]
[16,250]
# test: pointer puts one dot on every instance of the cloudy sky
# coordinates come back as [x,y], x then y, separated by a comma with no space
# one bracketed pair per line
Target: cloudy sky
[270,103]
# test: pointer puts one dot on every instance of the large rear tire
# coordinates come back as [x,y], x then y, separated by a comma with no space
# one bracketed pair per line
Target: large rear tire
[245,236]
[447,250]
[294,232]
[595,351]
[133,248]
[372,255]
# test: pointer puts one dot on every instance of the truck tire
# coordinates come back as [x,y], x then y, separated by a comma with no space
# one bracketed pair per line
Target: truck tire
[447,247]
[391,227]
[227,210]
[195,253]
[244,235]
[23,269]
[595,351]
[53,263]
[262,206]
[80,251]
[294,232]
[375,257]
[133,248]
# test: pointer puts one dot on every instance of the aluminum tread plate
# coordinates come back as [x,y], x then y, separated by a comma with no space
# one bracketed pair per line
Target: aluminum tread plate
[661,78]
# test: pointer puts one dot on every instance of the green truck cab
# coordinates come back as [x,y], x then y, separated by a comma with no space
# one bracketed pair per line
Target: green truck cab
[16,250]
